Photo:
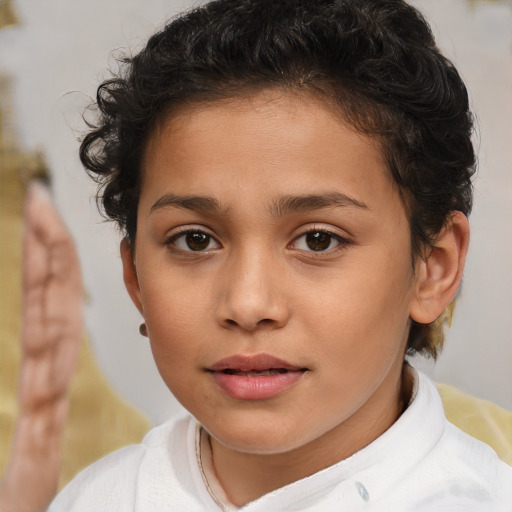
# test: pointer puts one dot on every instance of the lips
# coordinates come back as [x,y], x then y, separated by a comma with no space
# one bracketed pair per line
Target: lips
[255,377]
[256,373]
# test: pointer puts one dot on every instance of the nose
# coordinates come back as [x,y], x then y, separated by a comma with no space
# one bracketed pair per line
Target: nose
[252,294]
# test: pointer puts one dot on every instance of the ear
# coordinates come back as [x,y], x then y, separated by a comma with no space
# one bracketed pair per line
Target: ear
[438,277]
[131,280]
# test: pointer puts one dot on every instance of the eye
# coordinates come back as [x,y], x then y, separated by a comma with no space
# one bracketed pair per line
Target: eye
[192,240]
[318,241]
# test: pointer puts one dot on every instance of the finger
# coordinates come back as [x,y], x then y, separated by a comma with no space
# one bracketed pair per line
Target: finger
[31,475]
[42,217]
[53,301]
[52,281]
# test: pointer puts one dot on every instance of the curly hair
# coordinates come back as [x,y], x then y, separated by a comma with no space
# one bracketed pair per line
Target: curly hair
[374,61]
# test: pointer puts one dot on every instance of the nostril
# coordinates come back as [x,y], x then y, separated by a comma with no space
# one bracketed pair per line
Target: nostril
[260,324]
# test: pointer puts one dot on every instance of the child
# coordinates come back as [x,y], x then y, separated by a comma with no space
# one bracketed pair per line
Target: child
[293,180]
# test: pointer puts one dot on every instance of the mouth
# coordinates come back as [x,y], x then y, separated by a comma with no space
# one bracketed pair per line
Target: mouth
[259,373]
[255,377]
[254,365]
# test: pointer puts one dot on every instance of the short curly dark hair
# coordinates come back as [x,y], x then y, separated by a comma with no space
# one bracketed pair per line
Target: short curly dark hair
[374,61]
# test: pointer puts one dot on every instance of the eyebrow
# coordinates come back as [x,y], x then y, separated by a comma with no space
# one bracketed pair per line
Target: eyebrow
[290,204]
[278,208]
[203,204]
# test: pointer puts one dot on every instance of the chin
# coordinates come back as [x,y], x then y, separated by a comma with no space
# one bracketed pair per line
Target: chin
[258,437]
[259,446]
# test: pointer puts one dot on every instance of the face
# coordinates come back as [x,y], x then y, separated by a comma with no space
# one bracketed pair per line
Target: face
[273,270]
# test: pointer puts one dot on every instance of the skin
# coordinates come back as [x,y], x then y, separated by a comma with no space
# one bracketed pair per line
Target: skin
[51,336]
[257,287]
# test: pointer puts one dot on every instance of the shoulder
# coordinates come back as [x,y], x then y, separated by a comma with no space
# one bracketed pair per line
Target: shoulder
[475,461]
[460,473]
[458,468]
[479,418]
[105,485]
[470,458]
[111,483]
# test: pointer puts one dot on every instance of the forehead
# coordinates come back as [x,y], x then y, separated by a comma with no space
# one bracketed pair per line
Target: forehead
[272,143]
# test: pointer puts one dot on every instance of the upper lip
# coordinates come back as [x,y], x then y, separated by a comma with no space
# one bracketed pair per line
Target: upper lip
[257,362]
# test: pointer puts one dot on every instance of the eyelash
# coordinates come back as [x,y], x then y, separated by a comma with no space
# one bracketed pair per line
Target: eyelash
[171,241]
[342,242]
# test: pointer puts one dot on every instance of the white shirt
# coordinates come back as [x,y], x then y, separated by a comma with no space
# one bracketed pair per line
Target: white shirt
[422,463]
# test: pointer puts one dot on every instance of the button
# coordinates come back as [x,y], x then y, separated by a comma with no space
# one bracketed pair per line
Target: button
[363,492]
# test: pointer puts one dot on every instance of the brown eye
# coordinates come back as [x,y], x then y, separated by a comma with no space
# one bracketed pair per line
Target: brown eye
[192,241]
[318,240]
[197,241]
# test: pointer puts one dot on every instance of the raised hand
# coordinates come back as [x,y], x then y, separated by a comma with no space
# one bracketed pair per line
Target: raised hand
[51,335]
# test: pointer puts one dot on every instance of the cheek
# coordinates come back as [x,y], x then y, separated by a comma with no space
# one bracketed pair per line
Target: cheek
[172,300]
[176,323]
[361,312]
[175,315]
[175,339]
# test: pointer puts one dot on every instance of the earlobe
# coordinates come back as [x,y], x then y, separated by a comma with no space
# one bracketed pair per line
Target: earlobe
[438,277]
[131,280]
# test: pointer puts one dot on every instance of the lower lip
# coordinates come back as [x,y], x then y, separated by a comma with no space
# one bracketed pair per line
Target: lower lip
[256,387]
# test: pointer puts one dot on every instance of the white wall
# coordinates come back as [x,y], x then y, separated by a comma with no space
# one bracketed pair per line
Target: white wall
[477,36]
[58,56]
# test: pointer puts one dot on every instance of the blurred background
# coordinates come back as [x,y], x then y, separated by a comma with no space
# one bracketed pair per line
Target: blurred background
[51,63]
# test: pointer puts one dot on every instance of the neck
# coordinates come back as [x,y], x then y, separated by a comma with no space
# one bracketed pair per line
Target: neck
[248,476]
